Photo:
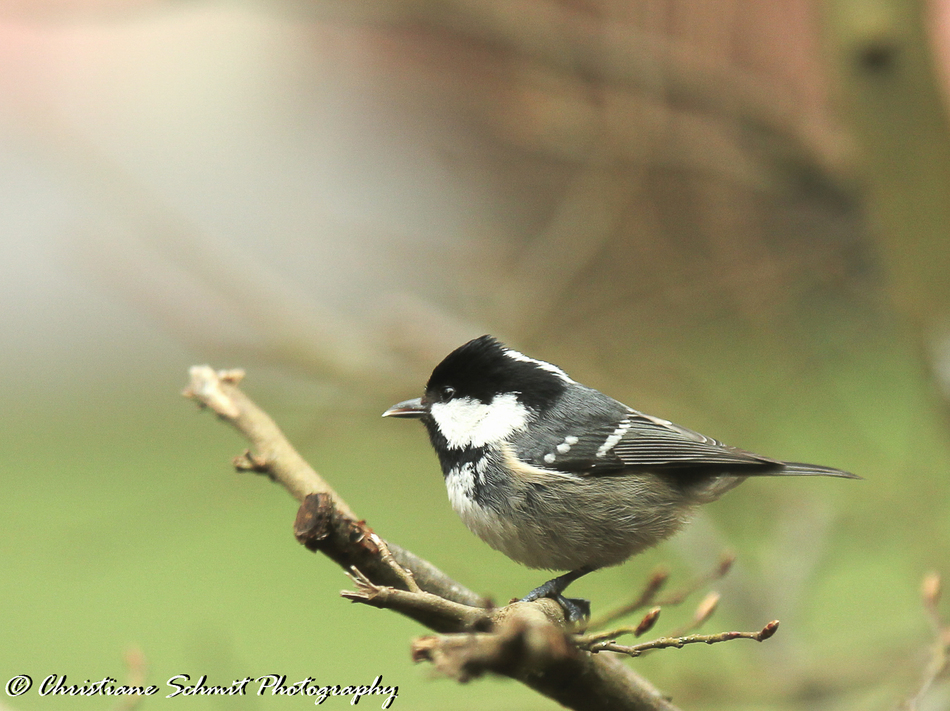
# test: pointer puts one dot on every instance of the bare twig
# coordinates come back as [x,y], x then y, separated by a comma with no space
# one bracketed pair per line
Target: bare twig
[218,391]
[137,673]
[659,578]
[404,574]
[654,584]
[939,662]
[641,628]
[677,597]
[931,590]
[704,610]
[679,642]
[320,526]
[432,610]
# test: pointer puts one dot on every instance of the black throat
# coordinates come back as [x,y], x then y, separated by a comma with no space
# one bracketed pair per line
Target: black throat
[451,458]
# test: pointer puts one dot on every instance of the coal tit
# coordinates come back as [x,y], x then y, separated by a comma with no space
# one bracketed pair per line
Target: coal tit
[557,475]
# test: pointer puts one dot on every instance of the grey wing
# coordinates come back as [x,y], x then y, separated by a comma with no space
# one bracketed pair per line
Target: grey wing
[642,441]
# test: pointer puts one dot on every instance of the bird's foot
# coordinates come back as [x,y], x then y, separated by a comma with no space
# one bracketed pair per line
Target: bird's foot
[575,608]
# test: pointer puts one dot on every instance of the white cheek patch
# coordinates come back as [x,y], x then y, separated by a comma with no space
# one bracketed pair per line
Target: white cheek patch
[465,422]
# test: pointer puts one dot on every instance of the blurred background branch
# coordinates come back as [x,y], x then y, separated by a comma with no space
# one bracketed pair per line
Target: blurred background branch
[885,57]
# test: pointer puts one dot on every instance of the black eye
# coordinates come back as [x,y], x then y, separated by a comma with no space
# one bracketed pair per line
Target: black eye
[448,392]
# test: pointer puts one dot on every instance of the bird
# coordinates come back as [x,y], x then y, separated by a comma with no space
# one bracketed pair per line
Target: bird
[559,476]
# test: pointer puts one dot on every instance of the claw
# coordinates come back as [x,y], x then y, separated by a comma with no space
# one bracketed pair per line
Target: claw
[574,608]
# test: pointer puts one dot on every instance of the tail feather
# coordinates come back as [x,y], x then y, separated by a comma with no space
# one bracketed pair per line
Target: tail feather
[801,469]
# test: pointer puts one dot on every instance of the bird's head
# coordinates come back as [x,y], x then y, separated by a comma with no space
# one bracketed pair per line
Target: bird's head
[482,393]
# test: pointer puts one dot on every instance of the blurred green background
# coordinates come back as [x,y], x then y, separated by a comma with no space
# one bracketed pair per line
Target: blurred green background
[732,215]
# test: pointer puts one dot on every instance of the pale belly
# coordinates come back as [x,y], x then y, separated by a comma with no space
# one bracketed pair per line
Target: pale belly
[567,522]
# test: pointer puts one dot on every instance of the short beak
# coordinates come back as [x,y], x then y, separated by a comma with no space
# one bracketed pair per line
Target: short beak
[408,408]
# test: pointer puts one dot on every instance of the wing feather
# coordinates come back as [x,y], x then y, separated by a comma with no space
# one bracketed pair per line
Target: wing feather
[641,441]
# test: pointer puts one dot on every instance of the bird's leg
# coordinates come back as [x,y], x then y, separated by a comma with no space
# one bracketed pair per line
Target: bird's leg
[574,608]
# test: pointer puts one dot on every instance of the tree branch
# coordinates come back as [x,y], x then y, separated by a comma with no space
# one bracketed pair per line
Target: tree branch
[275,456]
[388,576]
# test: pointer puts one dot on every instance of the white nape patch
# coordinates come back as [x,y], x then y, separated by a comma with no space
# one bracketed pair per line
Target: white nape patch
[614,438]
[467,422]
[515,355]
[549,458]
